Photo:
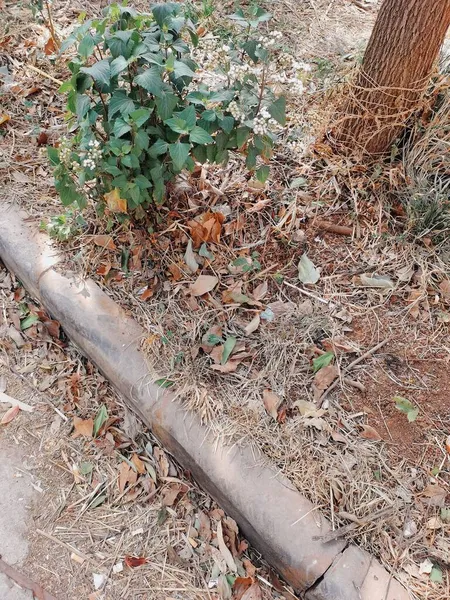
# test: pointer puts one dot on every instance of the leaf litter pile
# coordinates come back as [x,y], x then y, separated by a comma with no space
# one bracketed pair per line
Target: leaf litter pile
[114,515]
[294,316]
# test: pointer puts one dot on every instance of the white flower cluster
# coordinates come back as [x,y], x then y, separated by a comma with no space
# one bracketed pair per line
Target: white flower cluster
[297,147]
[263,121]
[272,38]
[236,111]
[238,72]
[92,156]
[210,53]
[65,150]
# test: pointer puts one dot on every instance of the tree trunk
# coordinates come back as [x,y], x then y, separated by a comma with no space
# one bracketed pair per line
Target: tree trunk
[396,70]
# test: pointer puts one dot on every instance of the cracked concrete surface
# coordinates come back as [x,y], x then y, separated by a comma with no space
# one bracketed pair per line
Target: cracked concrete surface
[16,493]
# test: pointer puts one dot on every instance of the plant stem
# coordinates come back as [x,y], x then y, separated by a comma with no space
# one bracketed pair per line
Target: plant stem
[51,25]
[261,91]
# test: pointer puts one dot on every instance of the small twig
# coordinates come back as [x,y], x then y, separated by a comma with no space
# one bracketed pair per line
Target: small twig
[63,544]
[311,295]
[44,74]
[332,228]
[334,535]
[25,582]
[51,24]
[350,366]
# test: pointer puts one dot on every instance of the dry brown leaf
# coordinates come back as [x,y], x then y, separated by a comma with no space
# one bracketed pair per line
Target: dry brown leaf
[126,475]
[9,415]
[253,325]
[135,561]
[229,367]
[204,284]
[228,557]
[138,463]
[444,286]
[271,403]
[50,46]
[434,523]
[240,586]
[260,290]
[259,205]
[447,444]
[309,409]
[4,119]
[253,593]
[338,343]
[369,433]
[104,241]
[162,462]
[114,202]
[175,272]
[171,493]
[204,529]
[83,427]
[190,258]
[435,494]
[325,377]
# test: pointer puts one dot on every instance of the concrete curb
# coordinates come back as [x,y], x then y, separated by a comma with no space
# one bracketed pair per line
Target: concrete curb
[275,518]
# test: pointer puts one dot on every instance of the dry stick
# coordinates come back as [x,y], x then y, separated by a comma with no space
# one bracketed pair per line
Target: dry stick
[25,582]
[350,366]
[63,544]
[334,535]
[44,74]
[310,294]
[332,228]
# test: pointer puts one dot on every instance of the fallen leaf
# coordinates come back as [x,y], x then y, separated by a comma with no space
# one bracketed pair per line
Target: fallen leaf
[339,343]
[135,561]
[204,284]
[50,46]
[377,281]
[253,325]
[204,529]
[114,202]
[104,241]
[447,444]
[171,493]
[325,377]
[253,593]
[240,586]
[30,91]
[369,433]
[138,463]
[407,407]
[228,557]
[426,566]
[228,348]
[309,409]
[322,361]
[4,119]
[175,272]
[307,272]
[42,139]
[260,291]
[84,427]
[271,403]
[435,494]
[126,475]
[444,286]
[230,367]
[9,415]
[436,574]
[53,327]
[434,523]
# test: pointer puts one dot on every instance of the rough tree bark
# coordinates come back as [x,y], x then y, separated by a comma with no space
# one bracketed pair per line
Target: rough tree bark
[396,70]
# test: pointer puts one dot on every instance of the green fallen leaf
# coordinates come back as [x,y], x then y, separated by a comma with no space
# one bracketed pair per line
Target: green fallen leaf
[405,406]
[205,252]
[436,575]
[213,339]
[445,515]
[100,419]
[228,349]
[322,361]
[86,468]
[28,322]
[164,383]
[98,501]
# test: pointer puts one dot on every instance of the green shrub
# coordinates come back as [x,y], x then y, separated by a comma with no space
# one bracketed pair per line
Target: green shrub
[141,110]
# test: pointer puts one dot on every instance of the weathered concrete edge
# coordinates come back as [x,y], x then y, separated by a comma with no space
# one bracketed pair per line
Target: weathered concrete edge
[276,519]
